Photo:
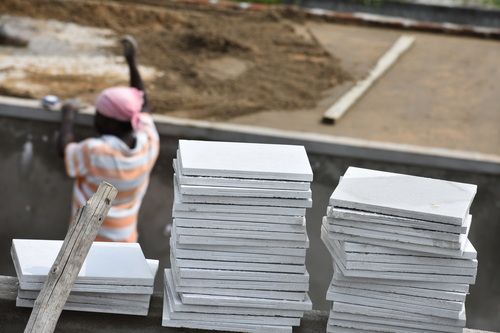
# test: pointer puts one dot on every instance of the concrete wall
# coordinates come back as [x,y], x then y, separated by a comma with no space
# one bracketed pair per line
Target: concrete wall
[35,198]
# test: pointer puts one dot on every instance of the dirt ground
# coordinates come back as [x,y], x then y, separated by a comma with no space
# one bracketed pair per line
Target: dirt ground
[274,69]
[217,64]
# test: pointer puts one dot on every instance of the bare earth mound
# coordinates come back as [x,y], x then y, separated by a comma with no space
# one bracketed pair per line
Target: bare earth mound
[216,63]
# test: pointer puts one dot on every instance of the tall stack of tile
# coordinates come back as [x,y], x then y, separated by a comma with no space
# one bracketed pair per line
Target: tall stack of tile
[402,260]
[239,237]
[115,277]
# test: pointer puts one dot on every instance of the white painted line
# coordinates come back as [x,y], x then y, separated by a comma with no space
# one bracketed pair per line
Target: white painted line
[341,106]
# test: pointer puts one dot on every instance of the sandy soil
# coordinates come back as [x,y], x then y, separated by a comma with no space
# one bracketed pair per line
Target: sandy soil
[443,93]
[217,63]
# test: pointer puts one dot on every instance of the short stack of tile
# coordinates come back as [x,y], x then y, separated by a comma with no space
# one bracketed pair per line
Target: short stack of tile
[239,237]
[402,260]
[115,277]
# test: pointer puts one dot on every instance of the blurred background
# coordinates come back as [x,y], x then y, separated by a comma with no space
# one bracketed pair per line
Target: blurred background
[277,67]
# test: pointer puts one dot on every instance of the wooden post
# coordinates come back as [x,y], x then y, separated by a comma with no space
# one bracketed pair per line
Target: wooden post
[81,234]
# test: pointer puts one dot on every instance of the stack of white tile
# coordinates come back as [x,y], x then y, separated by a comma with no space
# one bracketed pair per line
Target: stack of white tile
[239,237]
[402,260]
[115,277]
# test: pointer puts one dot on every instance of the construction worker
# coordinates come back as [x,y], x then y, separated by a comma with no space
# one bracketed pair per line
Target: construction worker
[123,154]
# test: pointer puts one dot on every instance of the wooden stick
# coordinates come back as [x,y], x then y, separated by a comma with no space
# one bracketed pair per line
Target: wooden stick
[55,291]
[341,106]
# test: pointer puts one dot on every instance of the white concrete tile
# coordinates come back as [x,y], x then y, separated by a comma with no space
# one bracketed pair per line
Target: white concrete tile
[180,307]
[445,281]
[239,182]
[243,234]
[242,192]
[270,294]
[339,226]
[92,298]
[389,220]
[383,324]
[227,198]
[153,266]
[213,274]
[297,252]
[226,241]
[233,208]
[173,297]
[106,263]
[237,257]
[265,202]
[250,286]
[103,308]
[167,321]
[404,268]
[213,300]
[239,266]
[94,288]
[395,305]
[423,277]
[404,195]
[353,257]
[406,299]
[436,287]
[400,230]
[239,225]
[246,217]
[244,160]
[433,265]
[134,292]
[403,290]
[469,251]
[397,245]
[97,300]
[340,307]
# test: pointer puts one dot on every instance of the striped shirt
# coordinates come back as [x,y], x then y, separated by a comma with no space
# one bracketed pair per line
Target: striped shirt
[108,158]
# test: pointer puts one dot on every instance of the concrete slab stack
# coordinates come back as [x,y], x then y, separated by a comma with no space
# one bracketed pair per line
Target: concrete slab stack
[239,237]
[115,277]
[402,260]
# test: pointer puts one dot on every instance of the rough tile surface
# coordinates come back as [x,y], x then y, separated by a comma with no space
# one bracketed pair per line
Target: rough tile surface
[403,195]
[244,160]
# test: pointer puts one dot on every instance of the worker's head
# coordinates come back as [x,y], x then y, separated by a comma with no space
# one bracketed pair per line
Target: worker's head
[118,110]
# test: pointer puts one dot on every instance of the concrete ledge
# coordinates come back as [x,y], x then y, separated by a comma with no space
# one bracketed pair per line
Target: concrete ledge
[420,11]
[13,319]
[464,21]
[314,143]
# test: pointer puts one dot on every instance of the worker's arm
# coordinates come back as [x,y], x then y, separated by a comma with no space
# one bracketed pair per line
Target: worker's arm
[67,134]
[129,52]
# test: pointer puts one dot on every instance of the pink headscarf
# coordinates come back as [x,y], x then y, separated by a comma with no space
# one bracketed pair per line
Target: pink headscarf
[121,103]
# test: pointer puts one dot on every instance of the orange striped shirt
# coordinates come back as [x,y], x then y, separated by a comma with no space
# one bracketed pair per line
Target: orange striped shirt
[108,158]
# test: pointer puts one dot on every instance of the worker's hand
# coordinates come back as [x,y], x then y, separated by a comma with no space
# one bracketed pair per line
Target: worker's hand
[129,46]
[71,107]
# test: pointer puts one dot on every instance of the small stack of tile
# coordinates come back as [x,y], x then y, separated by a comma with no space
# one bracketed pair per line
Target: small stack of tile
[402,260]
[239,237]
[115,277]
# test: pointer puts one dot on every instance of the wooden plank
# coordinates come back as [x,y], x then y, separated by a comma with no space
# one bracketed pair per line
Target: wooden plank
[341,106]
[60,280]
